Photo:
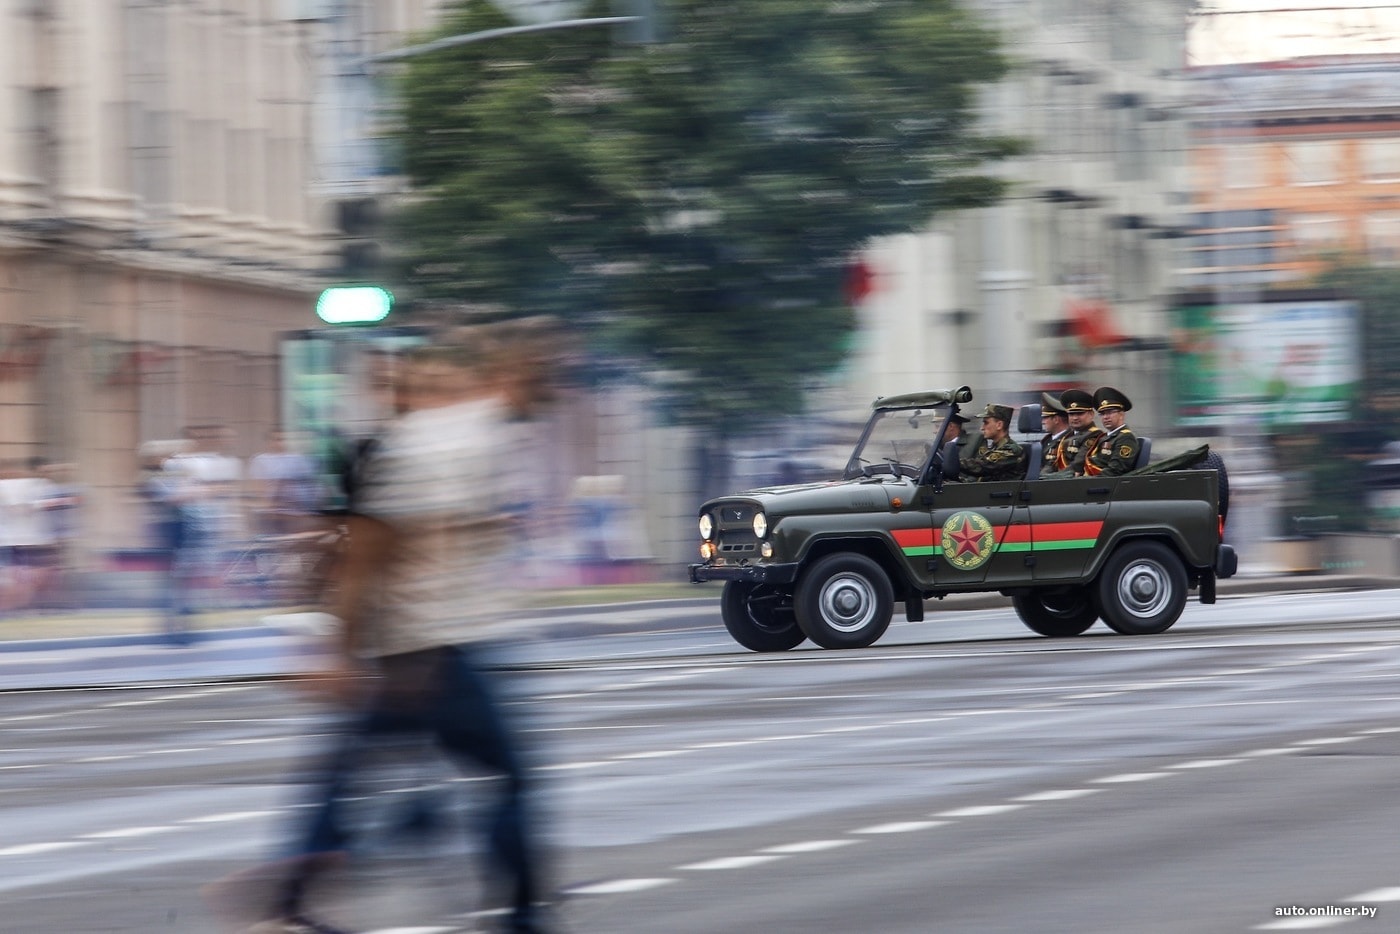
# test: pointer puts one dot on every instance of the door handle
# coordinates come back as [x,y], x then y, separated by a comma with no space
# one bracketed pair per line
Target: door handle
[1097,491]
[1006,495]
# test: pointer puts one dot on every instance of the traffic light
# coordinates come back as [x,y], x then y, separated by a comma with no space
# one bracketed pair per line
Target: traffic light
[354,304]
[357,268]
[357,223]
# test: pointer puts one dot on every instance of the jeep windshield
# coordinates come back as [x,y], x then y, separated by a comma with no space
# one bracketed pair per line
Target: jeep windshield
[897,442]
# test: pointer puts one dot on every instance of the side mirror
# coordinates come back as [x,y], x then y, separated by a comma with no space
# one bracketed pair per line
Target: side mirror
[962,394]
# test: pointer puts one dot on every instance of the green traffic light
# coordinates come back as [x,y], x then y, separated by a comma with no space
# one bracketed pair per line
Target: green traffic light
[359,304]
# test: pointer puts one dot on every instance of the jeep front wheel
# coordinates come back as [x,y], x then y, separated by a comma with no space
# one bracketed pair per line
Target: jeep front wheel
[844,601]
[1057,613]
[759,617]
[1142,589]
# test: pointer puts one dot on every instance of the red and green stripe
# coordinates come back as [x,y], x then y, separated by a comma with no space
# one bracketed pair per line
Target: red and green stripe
[1048,536]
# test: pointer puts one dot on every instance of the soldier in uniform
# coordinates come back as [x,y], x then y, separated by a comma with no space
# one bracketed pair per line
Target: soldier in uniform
[997,456]
[1074,446]
[1055,420]
[1115,452]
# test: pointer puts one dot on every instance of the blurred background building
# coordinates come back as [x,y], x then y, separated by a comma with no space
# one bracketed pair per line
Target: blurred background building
[1066,282]
[178,181]
[1292,162]
[157,228]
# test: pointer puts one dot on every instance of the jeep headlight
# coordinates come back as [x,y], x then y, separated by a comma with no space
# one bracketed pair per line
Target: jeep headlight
[707,525]
[760,524]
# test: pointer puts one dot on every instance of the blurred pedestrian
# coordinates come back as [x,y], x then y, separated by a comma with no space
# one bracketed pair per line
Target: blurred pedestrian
[286,491]
[61,503]
[421,598]
[997,457]
[26,537]
[178,533]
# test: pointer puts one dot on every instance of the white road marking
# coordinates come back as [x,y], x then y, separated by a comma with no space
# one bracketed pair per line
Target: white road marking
[652,754]
[26,849]
[1061,794]
[808,846]
[1129,777]
[979,810]
[571,766]
[1327,741]
[901,826]
[1302,924]
[227,817]
[1204,763]
[618,887]
[731,862]
[1391,894]
[123,833]
[1271,751]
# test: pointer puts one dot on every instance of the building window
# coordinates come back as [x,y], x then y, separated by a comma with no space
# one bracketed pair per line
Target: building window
[1380,160]
[1314,233]
[1242,166]
[1383,238]
[1313,162]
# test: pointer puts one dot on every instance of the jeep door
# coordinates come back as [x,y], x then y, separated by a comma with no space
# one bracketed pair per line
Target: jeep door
[1067,521]
[968,520]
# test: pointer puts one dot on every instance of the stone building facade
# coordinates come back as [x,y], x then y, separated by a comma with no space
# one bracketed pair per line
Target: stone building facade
[157,229]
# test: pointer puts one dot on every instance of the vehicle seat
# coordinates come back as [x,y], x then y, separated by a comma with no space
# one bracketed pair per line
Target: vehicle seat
[1144,454]
[1028,423]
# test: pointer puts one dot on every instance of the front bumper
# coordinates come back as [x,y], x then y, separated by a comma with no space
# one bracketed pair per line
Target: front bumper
[749,573]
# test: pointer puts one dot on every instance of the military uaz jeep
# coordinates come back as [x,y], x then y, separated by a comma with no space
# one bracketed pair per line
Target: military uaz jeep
[827,561]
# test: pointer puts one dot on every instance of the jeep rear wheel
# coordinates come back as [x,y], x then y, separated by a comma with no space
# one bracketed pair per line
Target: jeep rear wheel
[844,601]
[1142,589]
[759,617]
[1057,613]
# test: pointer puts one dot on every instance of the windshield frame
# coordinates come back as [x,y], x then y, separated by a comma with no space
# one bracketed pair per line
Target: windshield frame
[874,435]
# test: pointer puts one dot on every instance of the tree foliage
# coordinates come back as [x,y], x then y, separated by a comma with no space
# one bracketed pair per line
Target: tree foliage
[693,203]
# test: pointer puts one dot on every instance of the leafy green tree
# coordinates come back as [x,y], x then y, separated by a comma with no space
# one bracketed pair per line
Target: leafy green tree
[693,204]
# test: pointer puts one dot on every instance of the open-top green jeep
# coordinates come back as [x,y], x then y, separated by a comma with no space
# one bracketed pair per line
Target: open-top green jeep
[827,561]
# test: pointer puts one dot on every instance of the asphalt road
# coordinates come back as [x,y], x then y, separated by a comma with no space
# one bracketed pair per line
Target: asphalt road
[960,776]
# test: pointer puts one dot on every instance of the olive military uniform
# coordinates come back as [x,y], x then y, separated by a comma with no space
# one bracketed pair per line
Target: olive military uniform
[1075,445]
[1115,452]
[1003,460]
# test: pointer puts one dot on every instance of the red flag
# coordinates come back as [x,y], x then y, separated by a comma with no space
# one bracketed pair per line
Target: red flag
[860,281]
[1091,321]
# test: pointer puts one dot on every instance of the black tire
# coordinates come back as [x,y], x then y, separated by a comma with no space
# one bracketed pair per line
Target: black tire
[759,617]
[1215,462]
[844,601]
[1141,589]
[1057,613]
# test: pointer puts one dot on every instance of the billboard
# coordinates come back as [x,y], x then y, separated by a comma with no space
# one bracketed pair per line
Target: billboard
[1268,362]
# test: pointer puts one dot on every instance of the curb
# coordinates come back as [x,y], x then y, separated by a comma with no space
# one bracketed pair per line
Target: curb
[575,621]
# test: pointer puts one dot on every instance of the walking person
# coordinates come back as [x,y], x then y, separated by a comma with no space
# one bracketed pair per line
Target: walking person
[421,598]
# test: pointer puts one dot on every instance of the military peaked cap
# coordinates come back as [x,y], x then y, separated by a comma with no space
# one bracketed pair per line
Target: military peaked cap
[1049,406]
[1106,397]
[1077,400]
